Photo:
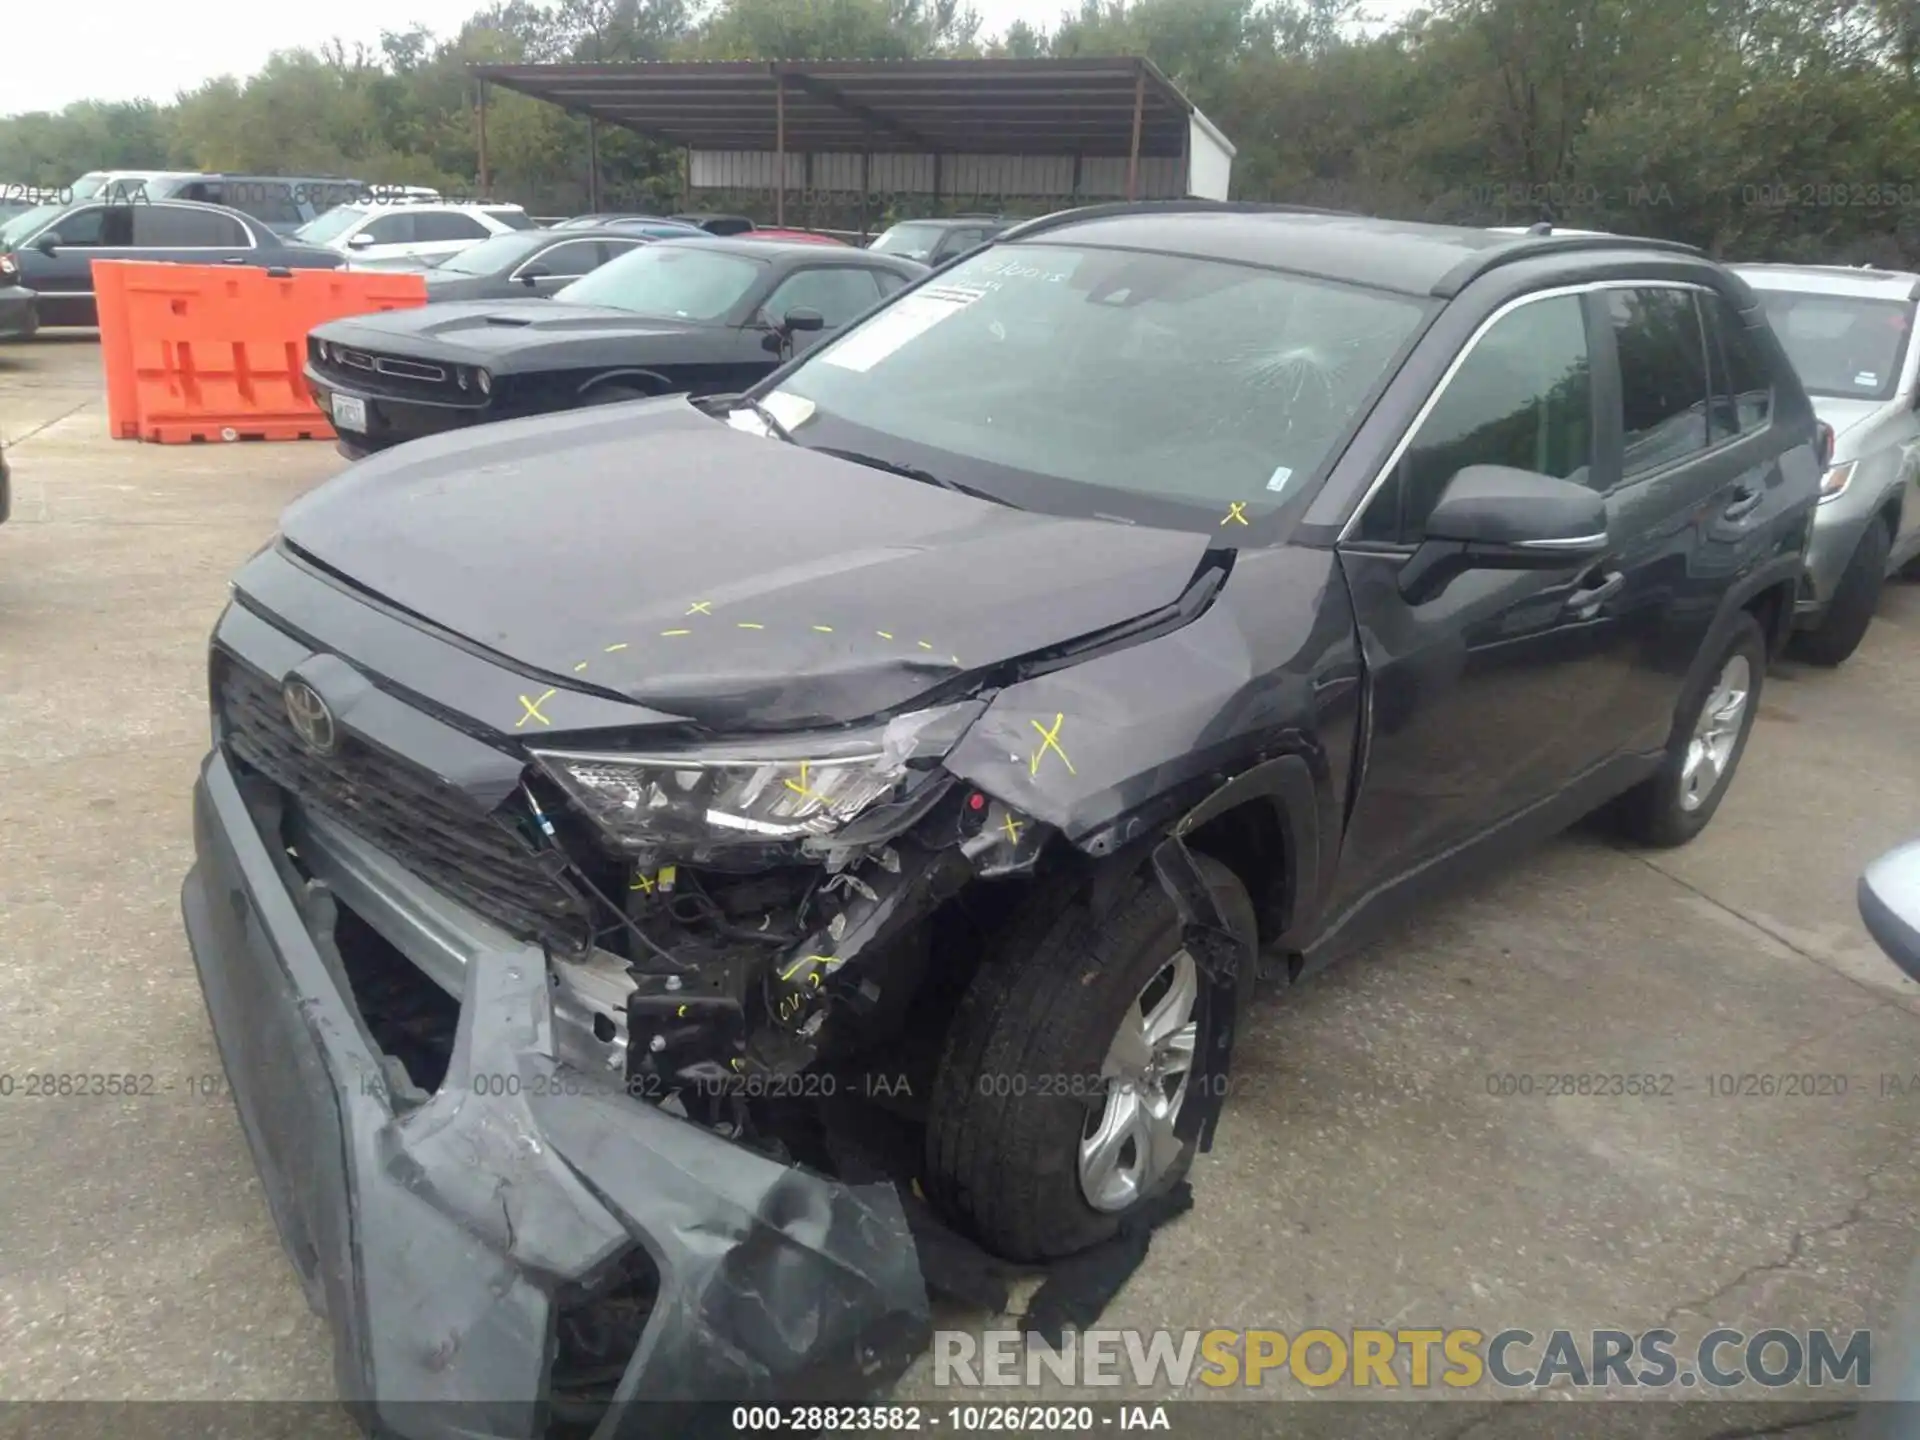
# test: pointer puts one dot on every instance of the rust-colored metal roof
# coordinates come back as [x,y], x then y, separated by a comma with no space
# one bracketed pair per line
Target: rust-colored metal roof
[999,107]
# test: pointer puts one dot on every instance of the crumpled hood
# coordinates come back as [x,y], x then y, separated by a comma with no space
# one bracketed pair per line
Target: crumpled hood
[662,556]
[496,332]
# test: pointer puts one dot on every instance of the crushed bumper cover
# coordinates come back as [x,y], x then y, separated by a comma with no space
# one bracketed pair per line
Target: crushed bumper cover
[434,1240]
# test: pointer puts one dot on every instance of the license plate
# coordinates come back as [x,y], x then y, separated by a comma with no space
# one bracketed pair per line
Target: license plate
[350,412]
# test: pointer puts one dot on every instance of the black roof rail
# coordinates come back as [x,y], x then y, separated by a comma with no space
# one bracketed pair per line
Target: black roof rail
[1531,246]
[1163,207]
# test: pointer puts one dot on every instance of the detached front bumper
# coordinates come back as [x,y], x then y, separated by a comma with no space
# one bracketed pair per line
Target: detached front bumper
[441,1240]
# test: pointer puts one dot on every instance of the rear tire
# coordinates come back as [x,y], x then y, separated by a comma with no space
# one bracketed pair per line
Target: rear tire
[1709,737]
[1855,599]
[1020,1087]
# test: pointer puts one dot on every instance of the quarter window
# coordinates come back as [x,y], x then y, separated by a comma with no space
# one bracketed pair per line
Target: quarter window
[1523,397]
[1663,376]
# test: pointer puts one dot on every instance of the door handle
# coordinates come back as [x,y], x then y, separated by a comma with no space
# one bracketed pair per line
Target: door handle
[1585,604]
[234,260]
[1746,500]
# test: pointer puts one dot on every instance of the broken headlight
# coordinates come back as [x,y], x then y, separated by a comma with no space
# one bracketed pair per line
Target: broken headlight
[757,792]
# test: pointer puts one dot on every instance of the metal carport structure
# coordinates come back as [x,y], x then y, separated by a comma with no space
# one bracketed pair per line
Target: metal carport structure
[1081,128]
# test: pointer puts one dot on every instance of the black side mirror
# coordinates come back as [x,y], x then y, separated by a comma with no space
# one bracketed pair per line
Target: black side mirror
[527,277]
[1495,517]
[48,243]
[795,321]
[1890,905]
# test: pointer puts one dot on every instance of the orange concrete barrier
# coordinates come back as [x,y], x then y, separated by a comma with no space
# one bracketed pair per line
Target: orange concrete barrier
[216,352]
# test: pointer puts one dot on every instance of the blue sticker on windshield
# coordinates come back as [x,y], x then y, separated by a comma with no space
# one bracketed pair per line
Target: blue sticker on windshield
[1866,377]
[1281,475]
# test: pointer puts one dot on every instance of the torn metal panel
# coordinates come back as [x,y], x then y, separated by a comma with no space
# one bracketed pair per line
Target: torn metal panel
[1111,747]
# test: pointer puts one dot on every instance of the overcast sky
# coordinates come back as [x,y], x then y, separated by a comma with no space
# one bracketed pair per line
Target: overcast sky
[153,51]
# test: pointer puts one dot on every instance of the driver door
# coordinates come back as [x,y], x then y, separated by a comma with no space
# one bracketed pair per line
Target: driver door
[841,293]
[64,279]
[1494,694]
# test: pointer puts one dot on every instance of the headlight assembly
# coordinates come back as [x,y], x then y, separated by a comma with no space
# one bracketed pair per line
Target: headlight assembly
[786,788]
[1834,483]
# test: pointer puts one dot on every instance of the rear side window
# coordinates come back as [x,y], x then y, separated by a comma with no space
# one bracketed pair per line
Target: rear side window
[1742,391]
[1663,376]
[173,227]
[392,230]
[445,225]
[1522,397]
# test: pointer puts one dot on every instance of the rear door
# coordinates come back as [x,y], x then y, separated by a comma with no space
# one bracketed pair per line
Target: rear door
[1492,696]
[1691,488]
[446,232]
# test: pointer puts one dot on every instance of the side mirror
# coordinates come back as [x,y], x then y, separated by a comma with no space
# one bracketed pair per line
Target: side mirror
[48,243]
[795,321]
[527,277]
[1494,517]
[1890,905]
[360,241]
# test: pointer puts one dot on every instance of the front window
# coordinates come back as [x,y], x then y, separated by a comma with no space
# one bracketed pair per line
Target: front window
[670,281]
[494,254]
[15,232]
[911,241]
[1844,346]
[330,226]
[1186,391]
[513,219]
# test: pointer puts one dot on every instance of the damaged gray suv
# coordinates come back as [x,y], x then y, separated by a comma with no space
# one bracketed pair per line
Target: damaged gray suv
[617,823]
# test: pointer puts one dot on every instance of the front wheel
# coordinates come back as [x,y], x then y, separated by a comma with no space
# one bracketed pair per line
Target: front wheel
[1067,1066]
[1709,737]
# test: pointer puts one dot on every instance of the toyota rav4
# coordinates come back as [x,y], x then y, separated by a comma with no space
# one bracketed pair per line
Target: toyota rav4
[608,813]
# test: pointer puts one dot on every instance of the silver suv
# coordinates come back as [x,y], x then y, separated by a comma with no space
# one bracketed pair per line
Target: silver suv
[1849,332]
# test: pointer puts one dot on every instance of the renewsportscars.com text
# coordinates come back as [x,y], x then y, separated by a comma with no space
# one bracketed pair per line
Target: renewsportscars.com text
[1414,1358]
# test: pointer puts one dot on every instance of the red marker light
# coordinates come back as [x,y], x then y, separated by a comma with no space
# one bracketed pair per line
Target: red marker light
[976,801]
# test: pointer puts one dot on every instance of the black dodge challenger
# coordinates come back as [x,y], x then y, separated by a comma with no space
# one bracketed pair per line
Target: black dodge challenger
[703,316]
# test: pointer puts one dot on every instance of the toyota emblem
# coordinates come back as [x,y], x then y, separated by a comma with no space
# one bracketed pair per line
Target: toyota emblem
[312,721]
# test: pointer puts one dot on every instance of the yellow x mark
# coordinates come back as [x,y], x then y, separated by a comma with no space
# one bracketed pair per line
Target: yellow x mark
[800,786]
[701,607]
[1050,740]
[532,707]
[1236,512]
[1013,827]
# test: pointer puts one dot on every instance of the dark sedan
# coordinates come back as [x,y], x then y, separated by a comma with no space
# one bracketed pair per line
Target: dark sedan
[702,316]
[53,247]
[19,310]
[525,263]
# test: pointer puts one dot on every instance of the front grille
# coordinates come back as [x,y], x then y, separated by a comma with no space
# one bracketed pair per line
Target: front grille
[396,376]
[425,824]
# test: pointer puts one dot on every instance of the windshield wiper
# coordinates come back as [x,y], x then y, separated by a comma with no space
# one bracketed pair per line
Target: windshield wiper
[766,417]
[911,472]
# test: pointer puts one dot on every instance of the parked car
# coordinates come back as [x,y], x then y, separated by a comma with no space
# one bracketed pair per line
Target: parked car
[526,262]
[655,226]
[936,241]
[971,702]
[793,237]
[53,249]
[411,229]
[6,489]
[693,315]
[19,306]
[717,224]
[1849,333]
